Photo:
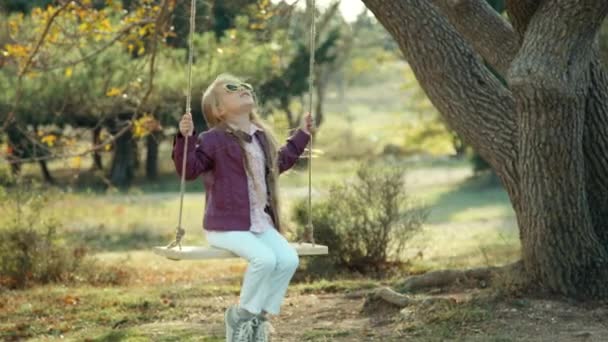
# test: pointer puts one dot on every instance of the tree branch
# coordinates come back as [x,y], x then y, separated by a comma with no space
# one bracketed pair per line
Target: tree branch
[30,59]
[520,12]
[489,33]
[474,102]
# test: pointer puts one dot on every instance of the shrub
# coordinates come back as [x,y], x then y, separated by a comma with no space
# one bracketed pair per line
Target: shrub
[6,178]
[31,249]
[365,222]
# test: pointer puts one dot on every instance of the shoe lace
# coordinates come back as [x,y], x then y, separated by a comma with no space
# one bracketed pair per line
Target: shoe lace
[245,330]
[263,331]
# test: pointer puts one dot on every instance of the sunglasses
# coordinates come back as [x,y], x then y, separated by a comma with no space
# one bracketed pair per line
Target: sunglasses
[233,87]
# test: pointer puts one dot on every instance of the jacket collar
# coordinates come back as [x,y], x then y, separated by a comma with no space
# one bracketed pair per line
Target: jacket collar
[233,130]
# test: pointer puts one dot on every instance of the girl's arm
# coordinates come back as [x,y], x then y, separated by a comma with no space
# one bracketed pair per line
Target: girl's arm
[200,154]
[292,150]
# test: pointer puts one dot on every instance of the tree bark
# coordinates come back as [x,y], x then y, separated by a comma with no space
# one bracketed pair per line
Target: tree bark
[595,144]
[520,13]
[550,82]
[488,33]
[546,136]
[595,137]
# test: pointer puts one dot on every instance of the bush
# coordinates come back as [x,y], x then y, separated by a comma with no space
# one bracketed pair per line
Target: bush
[365,223]
[346,145]
[6,177]
[32,251]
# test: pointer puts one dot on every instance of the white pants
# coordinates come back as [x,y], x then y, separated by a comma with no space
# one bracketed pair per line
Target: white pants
[272,264]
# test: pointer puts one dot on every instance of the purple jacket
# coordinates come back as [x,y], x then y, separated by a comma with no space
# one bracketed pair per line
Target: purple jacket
[217,156]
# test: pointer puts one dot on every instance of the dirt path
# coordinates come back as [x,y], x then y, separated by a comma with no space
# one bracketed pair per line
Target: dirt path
[331,317]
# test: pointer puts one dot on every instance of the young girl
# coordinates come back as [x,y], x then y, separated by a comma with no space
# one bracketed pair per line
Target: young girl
[239,161]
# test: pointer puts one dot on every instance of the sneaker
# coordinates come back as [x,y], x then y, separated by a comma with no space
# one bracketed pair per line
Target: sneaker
[238,330]
[263,329]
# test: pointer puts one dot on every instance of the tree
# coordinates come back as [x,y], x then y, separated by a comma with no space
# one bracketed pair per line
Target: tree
[545,133]
[49,46]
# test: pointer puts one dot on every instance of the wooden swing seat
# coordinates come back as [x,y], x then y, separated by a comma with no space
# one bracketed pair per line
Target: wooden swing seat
[208,252]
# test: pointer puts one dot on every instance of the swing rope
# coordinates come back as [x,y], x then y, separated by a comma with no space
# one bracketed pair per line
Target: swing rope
[180,232]
[310,236]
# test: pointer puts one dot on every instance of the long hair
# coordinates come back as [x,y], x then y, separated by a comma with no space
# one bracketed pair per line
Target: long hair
[211,103]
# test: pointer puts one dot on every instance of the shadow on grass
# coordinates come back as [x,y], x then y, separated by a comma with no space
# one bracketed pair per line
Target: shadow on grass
[91,181]
[474,193]
[101,239]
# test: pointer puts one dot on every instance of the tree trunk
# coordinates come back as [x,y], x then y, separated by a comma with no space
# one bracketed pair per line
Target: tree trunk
[321,90]
[97,162]
[122,170]
[15,168]
[543,135]
[152,142]
[46,174]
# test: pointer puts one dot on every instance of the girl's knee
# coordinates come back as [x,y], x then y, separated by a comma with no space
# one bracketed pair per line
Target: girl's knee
[289,261]
[264,263]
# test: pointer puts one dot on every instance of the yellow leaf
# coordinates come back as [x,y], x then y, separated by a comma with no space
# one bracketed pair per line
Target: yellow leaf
[141,50]
[17,50]
[68,72]
[49,140]
[75,162]
[113,92]
[105,25]
[108,147]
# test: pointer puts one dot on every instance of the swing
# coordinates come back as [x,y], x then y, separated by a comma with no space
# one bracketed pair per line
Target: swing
[209,252]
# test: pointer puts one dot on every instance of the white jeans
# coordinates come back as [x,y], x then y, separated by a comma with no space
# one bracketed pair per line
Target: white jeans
[272,264]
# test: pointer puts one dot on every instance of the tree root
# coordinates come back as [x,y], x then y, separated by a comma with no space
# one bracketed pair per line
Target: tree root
[388,295]
[483,277]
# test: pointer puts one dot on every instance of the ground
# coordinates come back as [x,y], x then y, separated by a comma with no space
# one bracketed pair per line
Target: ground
[326,311]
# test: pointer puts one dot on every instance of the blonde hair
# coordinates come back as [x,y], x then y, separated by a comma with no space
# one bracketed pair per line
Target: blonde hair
[211,103]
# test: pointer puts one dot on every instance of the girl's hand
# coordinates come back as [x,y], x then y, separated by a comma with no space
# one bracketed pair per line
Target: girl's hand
[186,127]
[309,124]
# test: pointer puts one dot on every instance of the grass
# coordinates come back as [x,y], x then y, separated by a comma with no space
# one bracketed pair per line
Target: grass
[445,320]
[471,225]
[324,334]
[101,314]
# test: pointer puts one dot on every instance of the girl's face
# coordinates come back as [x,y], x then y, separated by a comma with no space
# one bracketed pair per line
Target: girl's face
[236,99]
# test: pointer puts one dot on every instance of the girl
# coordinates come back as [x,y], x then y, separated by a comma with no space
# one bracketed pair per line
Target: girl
[239,161]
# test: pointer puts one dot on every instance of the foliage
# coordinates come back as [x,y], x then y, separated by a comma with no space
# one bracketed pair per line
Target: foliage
[365,222]
[33,250]
[373,49]
[30,249]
